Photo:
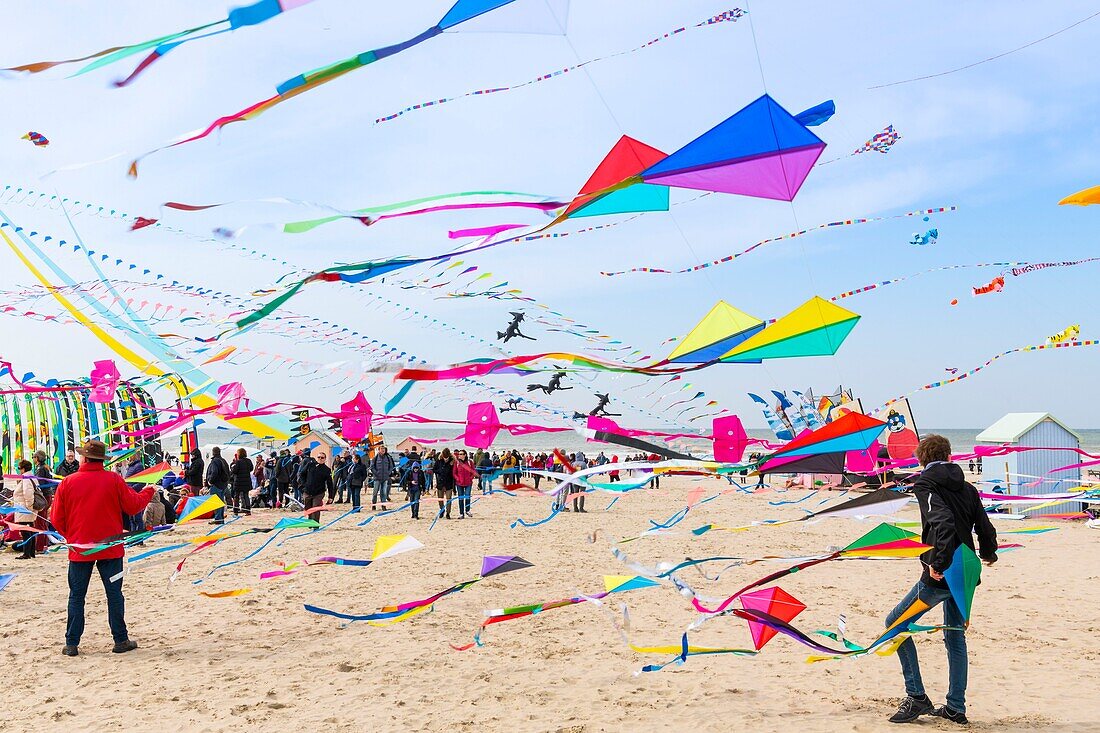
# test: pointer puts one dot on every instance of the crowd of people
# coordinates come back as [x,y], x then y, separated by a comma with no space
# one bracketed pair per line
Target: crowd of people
[302,481]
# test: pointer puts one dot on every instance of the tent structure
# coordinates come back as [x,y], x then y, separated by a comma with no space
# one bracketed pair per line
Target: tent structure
[762,151]
[721,329]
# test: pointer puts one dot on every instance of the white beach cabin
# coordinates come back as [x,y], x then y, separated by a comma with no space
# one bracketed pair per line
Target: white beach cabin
[1016,471]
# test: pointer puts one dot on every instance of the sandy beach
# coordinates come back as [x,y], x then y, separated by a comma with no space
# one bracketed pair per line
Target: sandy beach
[261,661]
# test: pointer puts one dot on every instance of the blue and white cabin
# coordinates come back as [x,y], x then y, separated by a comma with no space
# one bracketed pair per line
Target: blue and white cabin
[1016,470]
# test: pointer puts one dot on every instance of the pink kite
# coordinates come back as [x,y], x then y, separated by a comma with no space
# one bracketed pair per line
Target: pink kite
[105,379]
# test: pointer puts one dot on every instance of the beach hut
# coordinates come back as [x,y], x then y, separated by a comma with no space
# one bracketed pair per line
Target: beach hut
[1032,472]
[410,444]
[316,442]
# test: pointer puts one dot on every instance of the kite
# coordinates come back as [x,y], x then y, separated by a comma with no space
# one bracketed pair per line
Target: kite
[721,329]
[729,15]
[237,18]
[880,143]
[774,602]
[928,237]
[882,541]
[815,328]
[881,502]
[1068,334]
[792,235]
[901,431]
[512,331]
[612,584]
[151,475]
[1082,198]
[141,222]
[104,381]
[39,140]
[552,386]
[6,578]
[226,593]
[818,451]
[730,439]
[817,115]
[975,370]
[513,404]
[995,285]
[355,419]
[760,151]
[534,14]
[490,565]
[198,507]
[600,410]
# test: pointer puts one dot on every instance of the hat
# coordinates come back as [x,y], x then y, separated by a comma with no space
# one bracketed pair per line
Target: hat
[93,449]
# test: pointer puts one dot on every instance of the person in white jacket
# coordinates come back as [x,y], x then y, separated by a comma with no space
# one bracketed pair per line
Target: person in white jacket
[23,495]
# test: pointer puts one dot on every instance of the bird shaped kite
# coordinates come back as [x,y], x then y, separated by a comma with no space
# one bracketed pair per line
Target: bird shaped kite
[37,138]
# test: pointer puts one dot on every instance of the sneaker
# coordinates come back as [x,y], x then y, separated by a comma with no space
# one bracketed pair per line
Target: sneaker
[70,651]
[912,708]
[122,647]
[948,714]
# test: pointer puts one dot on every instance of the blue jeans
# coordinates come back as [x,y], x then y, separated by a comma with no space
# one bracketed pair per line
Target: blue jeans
[381,491]
[955,640]
[219,514]
[80,574]
[463,499]
[355,494]
[485,482]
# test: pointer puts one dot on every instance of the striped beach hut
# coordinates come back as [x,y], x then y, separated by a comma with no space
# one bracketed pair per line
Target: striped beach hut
[1032,472]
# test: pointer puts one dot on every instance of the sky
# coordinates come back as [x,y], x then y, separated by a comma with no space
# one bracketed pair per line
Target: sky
[1003,141]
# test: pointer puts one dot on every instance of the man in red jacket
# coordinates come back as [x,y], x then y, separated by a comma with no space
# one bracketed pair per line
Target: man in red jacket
[88,509]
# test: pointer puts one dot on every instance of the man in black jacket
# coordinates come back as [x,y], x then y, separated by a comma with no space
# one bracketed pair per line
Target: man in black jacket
[68,466]
[317,480]
[217,481]
[951,512]
[195,472]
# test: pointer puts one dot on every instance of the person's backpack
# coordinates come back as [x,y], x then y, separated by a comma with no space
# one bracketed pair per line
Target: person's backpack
[40,501]
[303,471]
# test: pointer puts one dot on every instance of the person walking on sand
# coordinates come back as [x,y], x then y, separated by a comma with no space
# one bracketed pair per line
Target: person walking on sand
[217,481]
[382,467]
[242,469]
[413,482]
[444,481]
[465,474]
[357,476]
[87,509]
[26,495]
[951,512]
[317,481]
